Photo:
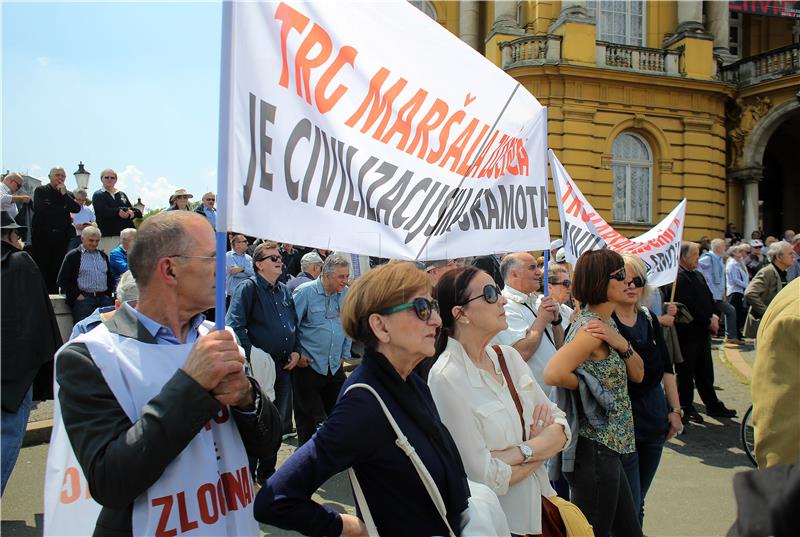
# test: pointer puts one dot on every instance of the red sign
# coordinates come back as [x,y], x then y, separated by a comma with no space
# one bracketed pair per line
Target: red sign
[771,8]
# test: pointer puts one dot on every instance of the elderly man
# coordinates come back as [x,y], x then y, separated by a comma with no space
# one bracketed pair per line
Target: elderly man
[82,219]
[766,284]
[30,337]
[113,209]
[534,330]
[52,228]
[238,264]
[438,268]
[694,339]
[9,198]
[291,261]
[126,291]
[322,343]
[712,266]
[755,260]
[262,315]
[85,276]
[119,255]
[310,269]
[207,208]
[164,442]
[794,270]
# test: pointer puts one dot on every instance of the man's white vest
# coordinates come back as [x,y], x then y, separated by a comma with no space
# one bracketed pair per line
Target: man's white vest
[206,490]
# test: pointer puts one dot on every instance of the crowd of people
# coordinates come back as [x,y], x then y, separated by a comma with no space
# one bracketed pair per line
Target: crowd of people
[533,396]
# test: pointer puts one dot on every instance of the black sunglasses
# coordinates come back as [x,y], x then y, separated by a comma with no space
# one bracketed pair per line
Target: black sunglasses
[273,258]
[565,283]
[423,307]
[618,275]
[491,293]
[638,282]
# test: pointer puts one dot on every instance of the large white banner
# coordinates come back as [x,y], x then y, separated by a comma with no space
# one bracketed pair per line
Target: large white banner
[367,127]
[583,229]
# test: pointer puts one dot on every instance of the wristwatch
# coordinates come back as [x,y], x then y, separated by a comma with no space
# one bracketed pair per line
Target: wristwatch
[527,452]
[678,411]
[628,353]
[556,322]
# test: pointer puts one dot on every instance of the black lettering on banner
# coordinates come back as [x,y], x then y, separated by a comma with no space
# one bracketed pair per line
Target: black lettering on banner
[301,131]
[392,197]
[345,164]
[312,165]
[387,171]
[371,161]
[435,207]
[399,217]
[328,169]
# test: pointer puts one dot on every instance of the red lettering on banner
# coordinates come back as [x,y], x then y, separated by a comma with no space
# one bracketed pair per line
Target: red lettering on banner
[207,496]
[291,19]
[346,56]
[72,476]
[220,417]
[304,62]
[378,103]
[183,515]
[234,489]
[161,528]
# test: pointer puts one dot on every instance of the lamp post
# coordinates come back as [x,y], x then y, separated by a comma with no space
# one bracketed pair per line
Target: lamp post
[82,176]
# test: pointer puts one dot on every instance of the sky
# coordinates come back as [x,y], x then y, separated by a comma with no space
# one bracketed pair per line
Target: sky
[129,86]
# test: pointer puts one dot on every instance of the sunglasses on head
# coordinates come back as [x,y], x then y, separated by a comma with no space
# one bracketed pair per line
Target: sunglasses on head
[423,307]
[490,294]
[618,275]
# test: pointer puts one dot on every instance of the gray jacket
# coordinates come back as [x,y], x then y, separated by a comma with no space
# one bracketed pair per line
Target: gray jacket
[593,400]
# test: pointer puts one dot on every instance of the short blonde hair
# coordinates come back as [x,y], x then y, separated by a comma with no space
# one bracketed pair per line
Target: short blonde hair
[378,290]
[638,268]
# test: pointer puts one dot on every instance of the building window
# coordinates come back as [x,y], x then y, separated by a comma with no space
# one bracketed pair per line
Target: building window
[619,21]
[632,164]
[735,34]
[425,7]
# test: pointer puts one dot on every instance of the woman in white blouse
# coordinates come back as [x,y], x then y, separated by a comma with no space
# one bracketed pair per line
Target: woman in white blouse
[476,405]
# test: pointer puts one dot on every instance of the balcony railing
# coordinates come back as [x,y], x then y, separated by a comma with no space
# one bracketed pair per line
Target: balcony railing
[766,66]
[531,50]
[638,59]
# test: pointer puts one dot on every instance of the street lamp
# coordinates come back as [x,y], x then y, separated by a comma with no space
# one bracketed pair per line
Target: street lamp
[82,176]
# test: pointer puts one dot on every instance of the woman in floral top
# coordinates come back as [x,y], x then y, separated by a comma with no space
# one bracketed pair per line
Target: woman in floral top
[595,347]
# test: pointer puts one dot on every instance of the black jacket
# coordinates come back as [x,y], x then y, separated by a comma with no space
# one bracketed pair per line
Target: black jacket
[68,275]
[120,459]
[29,331]
[106,209]
[51,218]
[692,291]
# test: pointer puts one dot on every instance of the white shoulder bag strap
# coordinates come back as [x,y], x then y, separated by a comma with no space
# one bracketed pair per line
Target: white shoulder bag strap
[403,443]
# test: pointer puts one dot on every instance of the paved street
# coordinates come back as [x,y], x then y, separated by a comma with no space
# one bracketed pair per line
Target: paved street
[692,494]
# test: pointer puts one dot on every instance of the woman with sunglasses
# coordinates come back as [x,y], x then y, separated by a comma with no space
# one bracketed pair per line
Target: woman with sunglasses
[389,310]
[653,422]
[503,424]
[595,353]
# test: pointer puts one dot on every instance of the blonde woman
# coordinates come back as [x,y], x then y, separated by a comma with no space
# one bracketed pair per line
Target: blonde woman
[656,416]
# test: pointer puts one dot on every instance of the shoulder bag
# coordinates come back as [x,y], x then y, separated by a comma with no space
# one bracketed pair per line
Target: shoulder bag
[483,516]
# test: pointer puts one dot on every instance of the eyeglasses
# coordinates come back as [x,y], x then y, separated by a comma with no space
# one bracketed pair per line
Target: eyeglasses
[638,282]
[241,241]
[490,294]
[565,283]
[618,275]
[181,197]
[109,177]
[273,258]
[210,199]
[423,307]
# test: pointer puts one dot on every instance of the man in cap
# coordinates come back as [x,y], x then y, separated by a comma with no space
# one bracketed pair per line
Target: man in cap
[30,337]
[167,436]
[113,209]
[52,227]
[555,245]
[438,268]
[755,259]
[310,266]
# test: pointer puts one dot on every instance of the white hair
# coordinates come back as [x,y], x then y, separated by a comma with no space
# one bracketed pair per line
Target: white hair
[334,261]
[127,289]
[127,233]
[91,231]
[776,248]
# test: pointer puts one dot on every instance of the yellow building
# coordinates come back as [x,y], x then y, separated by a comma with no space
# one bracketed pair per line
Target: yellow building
[651,102]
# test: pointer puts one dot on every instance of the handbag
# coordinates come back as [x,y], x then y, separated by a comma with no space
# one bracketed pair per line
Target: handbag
[483,515]
[573,519]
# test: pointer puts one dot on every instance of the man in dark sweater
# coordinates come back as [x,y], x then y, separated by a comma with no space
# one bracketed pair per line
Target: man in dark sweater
[694,338]
[52,227]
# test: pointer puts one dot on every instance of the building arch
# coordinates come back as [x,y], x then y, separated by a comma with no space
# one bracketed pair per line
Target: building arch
[753,154]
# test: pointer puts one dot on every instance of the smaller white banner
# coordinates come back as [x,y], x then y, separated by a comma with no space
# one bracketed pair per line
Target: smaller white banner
[583,229]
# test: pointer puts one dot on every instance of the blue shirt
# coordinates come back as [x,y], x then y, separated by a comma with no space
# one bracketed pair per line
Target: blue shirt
[90,322]
[163,334]
[737,277]
[119,263]
[712,267]
[298,280]
[232,259]
[263,315]
[211,214]
[319,328]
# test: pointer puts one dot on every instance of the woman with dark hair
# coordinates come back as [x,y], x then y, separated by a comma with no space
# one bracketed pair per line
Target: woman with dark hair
[595,352]
[391,311]
[502,422]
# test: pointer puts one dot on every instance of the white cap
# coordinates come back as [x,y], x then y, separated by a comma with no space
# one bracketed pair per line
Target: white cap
[556,244]
[561,255]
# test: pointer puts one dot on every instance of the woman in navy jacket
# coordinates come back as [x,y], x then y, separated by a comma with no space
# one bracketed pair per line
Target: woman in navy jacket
[391,311]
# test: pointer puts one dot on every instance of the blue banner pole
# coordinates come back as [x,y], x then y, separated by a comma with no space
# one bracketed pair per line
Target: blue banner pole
[220,281]
[546,271]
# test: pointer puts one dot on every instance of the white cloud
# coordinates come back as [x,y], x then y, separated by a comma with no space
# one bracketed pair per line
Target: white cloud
[212,172]
[154,193]
[34,168]
[43,61]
